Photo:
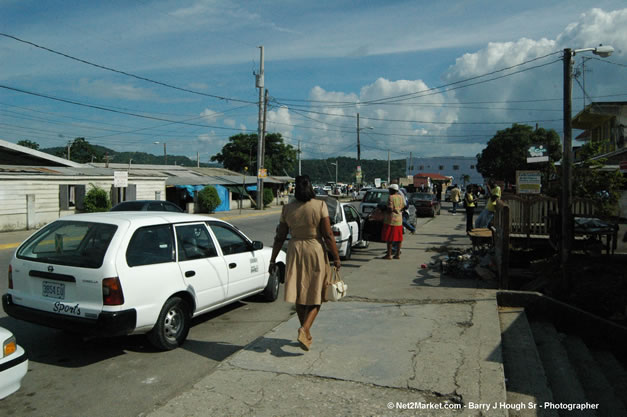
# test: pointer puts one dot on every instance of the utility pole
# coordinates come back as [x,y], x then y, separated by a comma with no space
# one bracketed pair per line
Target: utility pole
[69,146]
[263,131]
[259,82]
[299,165]
[389,167]
[358,157]
[567,159]
[197,160]
[410,168]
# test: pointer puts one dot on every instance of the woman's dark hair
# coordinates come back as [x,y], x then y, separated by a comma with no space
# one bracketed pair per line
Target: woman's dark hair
[304,190]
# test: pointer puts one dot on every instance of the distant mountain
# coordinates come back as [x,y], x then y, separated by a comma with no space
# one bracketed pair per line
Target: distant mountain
[97,153]
[322,171]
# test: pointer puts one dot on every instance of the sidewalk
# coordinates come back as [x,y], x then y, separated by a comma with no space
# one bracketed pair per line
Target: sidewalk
[408,341]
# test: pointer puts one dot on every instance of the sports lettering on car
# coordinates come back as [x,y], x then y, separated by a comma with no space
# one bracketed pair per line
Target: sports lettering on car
[59,307]
[254,266]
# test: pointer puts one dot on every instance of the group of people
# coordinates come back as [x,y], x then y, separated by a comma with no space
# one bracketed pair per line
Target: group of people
[308,270]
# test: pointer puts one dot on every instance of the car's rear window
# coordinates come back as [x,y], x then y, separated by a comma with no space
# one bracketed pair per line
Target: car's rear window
[71,243]
[376,197]
[421,196]
[129,206]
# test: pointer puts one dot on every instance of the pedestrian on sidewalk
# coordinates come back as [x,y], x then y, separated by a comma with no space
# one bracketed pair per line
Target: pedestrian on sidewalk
[487,215]
[455,197]
[307,272]
[392,232]
[469,203]
[406,224]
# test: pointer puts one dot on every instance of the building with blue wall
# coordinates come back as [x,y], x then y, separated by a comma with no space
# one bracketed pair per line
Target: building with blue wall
[450,166]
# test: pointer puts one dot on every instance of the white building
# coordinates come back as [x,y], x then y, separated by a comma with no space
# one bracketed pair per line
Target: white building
[449,166]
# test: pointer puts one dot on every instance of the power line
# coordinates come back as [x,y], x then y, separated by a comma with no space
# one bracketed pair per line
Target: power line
[128,74]
[112,110]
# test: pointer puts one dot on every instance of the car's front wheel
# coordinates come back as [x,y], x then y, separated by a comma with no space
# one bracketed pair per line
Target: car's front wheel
[172,326]
[271,292]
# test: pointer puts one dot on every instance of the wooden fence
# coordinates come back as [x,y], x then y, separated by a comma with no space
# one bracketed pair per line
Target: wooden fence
[527,217]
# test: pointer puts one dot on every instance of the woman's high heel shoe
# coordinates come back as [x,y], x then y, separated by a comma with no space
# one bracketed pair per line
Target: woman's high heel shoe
[305,343]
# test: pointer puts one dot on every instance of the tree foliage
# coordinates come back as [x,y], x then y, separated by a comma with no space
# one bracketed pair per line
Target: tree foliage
[321,170]
[97,153]
[506,152]
[591,182]
[208,199]
[29,144]
[96,200]
[241,151]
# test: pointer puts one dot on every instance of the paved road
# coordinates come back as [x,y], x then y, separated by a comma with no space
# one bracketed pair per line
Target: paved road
[72,376]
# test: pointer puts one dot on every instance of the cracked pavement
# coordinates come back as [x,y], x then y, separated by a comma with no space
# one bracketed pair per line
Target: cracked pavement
[405,338]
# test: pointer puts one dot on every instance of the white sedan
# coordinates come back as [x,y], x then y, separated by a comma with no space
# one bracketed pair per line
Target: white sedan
[13,364]
[136,272]
[347,227]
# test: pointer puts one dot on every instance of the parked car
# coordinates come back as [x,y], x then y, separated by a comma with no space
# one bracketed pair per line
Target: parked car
[362,193]
[347,227]
[425,203]
[377,196]
[13,364]
[147,205]
[120,273]
[377,199]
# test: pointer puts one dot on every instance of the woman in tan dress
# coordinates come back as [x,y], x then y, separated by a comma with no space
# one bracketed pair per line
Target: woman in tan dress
[307,271]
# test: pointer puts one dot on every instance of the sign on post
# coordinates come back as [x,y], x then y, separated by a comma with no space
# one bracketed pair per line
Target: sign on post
[120,179]
[263,172]
[528,182]
[537,154]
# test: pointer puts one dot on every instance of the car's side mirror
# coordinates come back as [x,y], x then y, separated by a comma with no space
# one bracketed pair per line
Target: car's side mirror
[257,245]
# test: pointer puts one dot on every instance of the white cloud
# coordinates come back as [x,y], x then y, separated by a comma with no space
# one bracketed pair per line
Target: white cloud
[280,121]
[109,89]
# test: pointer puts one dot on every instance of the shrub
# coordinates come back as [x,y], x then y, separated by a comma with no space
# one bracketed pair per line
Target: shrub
[96,200]
[268,196]
[208,199]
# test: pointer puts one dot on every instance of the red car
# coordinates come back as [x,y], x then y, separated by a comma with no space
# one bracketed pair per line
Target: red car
[425,203]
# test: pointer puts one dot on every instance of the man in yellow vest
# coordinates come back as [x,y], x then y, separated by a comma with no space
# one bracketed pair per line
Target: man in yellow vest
[487,215]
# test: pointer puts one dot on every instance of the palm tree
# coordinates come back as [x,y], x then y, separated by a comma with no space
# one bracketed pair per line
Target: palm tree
[465,179]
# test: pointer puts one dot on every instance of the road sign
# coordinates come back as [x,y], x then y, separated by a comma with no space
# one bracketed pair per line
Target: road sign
[537,154]
[528,182]
[120,179]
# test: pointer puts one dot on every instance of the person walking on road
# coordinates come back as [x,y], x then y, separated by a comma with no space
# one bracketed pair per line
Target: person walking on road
[455,197]
[470,202]
[392,232]
[308,270]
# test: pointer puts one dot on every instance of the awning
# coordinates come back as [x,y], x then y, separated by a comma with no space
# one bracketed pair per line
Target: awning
[238,189]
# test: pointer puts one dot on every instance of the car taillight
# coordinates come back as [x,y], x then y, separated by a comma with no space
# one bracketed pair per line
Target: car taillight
[10,277]
[336,232]
[112,294]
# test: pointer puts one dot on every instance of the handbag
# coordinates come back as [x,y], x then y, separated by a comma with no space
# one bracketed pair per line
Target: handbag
[336,288]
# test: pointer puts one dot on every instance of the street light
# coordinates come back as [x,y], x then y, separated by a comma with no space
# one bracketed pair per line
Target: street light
[603,51]
[335,163]
[359,150]
[165,155]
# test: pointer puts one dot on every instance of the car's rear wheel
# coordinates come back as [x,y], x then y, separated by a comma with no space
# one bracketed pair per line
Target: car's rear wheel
[271,292]
[172,326]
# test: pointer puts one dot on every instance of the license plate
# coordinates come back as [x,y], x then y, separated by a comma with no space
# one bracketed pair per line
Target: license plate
[53,290]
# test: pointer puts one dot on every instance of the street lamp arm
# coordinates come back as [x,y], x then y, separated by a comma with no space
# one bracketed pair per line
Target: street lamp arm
[601,50]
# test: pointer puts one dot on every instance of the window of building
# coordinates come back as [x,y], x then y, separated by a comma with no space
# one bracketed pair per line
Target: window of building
[441,167]
[472,167]
[455,167]
[422,167]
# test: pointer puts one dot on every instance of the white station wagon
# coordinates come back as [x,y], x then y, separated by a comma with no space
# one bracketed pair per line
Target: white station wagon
[120,273]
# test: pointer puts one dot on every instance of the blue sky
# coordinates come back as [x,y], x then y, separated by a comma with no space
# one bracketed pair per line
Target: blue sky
[415,71]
